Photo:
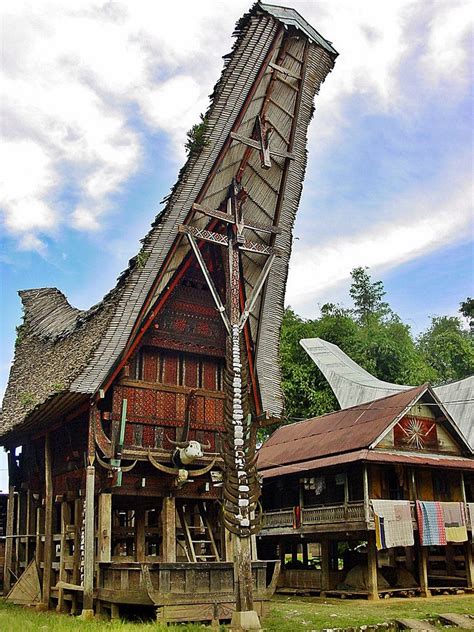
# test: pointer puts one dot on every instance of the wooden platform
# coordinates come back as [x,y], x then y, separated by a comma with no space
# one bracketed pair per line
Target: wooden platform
[183,591]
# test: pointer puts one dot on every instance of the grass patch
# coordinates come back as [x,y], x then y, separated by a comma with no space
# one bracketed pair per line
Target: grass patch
[315,613]
[287,614]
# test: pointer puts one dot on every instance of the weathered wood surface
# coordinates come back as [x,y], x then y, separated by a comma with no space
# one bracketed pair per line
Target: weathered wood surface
[48,522]
[27,589]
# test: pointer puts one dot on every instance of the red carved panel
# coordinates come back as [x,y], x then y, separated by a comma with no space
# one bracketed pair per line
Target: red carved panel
[148,440]
[416,433]
[170,369]
[191,367]
[209,375]
[150,366]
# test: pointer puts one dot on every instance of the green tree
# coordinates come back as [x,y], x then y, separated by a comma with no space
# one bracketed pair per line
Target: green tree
[448,349]
[367,296]
[374,337]
[467,310]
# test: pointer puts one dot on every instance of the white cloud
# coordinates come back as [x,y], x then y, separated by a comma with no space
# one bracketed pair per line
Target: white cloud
[77,75]
[423,223]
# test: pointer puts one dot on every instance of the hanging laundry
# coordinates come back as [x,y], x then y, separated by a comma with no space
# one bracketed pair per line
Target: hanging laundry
[470,511]
[393,523]
[455,522]
[430,523]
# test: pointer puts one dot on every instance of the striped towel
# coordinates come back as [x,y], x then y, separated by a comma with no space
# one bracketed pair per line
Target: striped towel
[393,524]
[455,521]
[430,523]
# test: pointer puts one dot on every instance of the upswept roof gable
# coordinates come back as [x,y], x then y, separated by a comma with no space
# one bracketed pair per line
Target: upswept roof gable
[273,197]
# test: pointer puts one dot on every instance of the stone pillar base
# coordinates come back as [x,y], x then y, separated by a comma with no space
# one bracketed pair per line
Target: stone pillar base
[245,620]
[87,615]
[42,607]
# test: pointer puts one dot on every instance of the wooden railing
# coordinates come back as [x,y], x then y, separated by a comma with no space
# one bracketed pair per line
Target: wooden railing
[329,514]
[352,512]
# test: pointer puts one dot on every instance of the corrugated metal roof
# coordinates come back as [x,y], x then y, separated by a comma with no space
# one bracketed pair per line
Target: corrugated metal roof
[343,431]
[352,385]
[291,17]
[374,456]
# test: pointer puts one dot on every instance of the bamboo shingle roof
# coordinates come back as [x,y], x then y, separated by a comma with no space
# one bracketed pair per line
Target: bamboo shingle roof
[64,351]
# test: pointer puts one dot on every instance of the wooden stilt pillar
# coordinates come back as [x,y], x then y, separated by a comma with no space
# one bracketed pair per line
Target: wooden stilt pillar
[88,598]
[243,577]
[294,553]
[65,520]
[372,582]
[422,552]
[105,528]
[48,526]
[9,539]
[469,563]
[39,531]
[76,556]
[29,526]
[168,525]
[324,566]
[140,534]
[304,546]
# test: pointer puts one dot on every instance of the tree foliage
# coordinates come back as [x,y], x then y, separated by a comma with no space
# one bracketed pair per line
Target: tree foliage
[374,337]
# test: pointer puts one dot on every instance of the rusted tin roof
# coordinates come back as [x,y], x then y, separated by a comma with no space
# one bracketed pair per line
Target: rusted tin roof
[343,431]
[353,385]
[374,456]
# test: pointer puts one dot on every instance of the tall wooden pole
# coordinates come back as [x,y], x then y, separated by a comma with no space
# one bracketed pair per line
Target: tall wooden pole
[88,602]
[48,525]
[372,567]
[9,526]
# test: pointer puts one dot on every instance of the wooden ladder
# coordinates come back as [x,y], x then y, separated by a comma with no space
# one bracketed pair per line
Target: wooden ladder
[198,535]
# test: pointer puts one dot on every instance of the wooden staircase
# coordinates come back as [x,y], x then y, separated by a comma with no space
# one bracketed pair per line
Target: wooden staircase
[199,541]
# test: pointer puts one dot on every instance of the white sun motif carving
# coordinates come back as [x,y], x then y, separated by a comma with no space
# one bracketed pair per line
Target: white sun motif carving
[416,433]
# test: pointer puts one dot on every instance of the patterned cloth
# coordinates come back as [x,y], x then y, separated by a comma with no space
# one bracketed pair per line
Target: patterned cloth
[455,521]
[393,523]
[430,523]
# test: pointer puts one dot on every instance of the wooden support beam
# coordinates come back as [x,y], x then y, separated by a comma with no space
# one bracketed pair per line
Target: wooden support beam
[105,528]
[88,602]
[9,532]
[48,523]
[76,556]
[325,585]
[168,525]
[372,582]
[422,553]
[256,290]
[65,520]
[225,217]
[284,71]
[365,476]
[140,534]
[469,563]
[212,288]
[254,144]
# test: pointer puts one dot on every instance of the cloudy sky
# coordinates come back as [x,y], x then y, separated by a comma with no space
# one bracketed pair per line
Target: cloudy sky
[97,97]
